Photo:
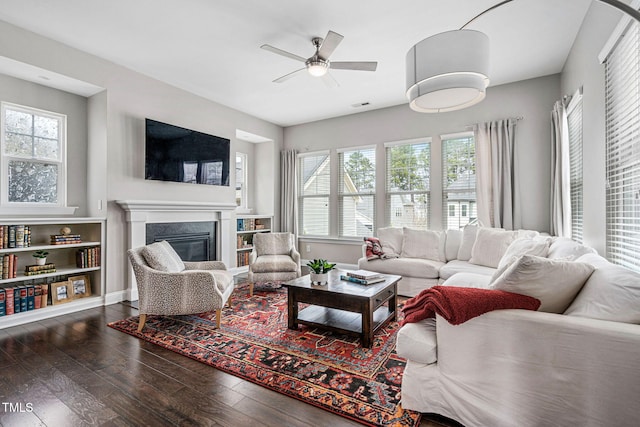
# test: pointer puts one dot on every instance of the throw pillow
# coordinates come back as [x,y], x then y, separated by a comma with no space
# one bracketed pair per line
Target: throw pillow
[373,248]
[611,293]
[567,249]
[555,283]
[391,241]
[425,244]
[468,239]
[538,246]
[162,257]
[490,246]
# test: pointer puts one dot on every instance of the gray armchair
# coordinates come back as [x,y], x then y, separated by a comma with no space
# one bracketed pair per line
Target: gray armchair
[169,286]
[274,258]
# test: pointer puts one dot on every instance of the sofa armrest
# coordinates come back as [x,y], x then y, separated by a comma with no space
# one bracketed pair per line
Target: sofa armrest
[205,265]
[517,356]
[364,250]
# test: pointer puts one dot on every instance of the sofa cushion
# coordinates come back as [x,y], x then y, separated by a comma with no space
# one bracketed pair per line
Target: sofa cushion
[538,246]
[417,341]
[469,280]
[425,244]
[554,282]
[490,246]
[274,264]
[611,293]
[391,240]
[452,244]
[594,259]
[466,244]
[162,257]
[457,266]
[410,267]
[567,249]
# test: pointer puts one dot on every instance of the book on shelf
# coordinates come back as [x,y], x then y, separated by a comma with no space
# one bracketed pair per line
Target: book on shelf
[19,236]
[3,302]
[23,298]
[9,301]
[16,299]
[12,236]
[364,274]
[37,297]
[45,295]
[35,267]
[361,281]
[31,296]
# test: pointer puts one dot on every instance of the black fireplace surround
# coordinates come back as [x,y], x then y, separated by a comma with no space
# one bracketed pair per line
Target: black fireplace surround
[193,241]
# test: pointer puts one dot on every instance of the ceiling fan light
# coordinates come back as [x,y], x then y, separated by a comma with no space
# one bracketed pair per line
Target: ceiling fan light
[317,68]
[448,71]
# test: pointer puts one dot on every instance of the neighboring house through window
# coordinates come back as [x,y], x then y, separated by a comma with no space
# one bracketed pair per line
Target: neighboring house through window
[33,156]
[357,192]
[407,183]
[314,189]
[458,180]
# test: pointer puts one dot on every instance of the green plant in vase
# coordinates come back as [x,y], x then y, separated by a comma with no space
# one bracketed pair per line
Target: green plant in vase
[320,269]
[40,256]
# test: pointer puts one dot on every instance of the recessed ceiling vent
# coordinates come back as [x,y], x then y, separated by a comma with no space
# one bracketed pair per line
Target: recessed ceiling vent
[361,104]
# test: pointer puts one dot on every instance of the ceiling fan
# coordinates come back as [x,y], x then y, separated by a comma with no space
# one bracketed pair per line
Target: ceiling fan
[318,65]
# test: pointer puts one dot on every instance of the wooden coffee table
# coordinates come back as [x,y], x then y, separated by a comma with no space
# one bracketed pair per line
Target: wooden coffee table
[342,306]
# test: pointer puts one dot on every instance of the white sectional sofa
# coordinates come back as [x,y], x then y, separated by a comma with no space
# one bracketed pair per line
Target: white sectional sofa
[576,366]
[425,258]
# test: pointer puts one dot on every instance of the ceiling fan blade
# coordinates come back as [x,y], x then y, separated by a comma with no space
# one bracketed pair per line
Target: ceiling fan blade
[288,76]
[283,52]
[329,80]
[329,44]
[359,66]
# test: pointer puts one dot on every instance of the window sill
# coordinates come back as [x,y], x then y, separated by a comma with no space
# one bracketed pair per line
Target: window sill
[38,211]
[331,240]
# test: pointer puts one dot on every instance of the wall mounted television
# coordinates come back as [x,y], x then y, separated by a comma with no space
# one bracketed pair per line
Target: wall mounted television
[177,154]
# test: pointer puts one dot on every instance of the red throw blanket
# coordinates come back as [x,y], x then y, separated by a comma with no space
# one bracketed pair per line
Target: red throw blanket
[457,305]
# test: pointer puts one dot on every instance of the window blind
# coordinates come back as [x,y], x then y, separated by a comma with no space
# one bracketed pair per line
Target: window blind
[574,119]
[458,181]
[622,106]
[407,185]
[356,192]
[314,174]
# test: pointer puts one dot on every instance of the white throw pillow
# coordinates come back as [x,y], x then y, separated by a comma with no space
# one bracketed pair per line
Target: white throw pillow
[555,283]
[611,293]
[567,249]
[538,246]
[452,244]
[391,241]
[468,239]
[425,244]
[490,246]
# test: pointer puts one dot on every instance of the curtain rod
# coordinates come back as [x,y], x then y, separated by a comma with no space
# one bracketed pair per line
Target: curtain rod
[518,118]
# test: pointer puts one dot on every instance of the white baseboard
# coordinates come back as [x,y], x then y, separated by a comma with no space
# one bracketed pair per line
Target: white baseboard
[116,297]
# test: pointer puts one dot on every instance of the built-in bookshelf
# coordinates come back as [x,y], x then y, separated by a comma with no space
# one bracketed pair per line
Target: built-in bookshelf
[248,226]
[72,278]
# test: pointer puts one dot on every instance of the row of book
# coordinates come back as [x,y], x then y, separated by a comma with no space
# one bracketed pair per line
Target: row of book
[88,257]
[9,263]
[23,298]
[249,224]
[243,258]
[15,236]
[363,277]
[65,239]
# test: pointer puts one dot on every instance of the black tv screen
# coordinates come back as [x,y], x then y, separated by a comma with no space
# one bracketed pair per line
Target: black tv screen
[177,154]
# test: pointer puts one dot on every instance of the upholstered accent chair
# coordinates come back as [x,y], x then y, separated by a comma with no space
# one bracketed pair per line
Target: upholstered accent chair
[169,286]
[274,258]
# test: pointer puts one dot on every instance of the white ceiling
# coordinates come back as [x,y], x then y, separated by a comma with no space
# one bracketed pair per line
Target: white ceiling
[212,47]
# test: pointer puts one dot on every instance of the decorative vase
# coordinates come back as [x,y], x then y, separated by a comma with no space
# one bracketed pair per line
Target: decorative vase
[319,278]
[41,261]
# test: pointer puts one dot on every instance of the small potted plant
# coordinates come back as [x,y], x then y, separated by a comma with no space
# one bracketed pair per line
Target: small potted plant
[320,269]
[41,257]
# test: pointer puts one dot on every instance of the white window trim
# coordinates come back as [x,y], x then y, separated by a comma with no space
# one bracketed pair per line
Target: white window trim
[300,197]
[21,208]
[243,207]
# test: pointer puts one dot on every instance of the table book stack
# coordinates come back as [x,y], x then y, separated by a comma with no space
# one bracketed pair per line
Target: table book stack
[363,277]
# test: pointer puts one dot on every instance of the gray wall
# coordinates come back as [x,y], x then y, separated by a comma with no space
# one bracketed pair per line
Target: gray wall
[116,137]
[531,99]
[583,69]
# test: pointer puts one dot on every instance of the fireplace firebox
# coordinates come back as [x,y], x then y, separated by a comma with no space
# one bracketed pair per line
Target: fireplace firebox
[193,241]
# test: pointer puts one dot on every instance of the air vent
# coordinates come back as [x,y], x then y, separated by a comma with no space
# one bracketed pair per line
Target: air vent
[360,104]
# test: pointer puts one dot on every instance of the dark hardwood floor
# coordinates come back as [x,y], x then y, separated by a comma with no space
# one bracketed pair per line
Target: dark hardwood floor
[73,370]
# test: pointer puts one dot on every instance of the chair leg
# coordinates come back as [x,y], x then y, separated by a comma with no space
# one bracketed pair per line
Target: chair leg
[229,302]
[141,322]
[218,318]
[251,289]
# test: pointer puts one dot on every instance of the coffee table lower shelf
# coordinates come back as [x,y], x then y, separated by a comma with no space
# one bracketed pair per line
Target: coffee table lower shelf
[341,321]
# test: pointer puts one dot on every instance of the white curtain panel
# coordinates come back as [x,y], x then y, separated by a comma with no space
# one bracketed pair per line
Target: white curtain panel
[496,182]
[289,192]
[560,172]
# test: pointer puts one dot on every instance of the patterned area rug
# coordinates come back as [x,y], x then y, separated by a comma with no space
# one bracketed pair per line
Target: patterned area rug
[327,370]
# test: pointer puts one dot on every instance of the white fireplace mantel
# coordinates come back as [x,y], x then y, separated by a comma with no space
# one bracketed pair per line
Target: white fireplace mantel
[141,212]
